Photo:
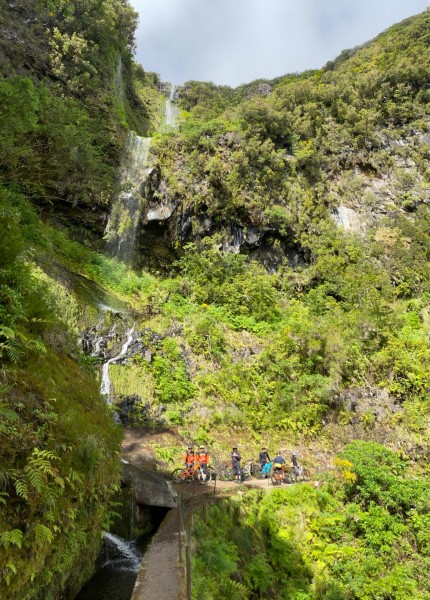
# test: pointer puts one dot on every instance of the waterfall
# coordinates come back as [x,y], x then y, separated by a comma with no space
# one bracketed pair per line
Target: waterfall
[171,109]
[123,223]
[124,553]
[105,383]
[124,219]
[117,80]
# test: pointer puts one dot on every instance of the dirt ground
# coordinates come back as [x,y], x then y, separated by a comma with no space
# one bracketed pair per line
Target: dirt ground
[138,446]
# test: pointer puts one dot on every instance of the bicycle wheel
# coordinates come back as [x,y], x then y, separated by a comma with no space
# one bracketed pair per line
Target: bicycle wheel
[179,475]
[275,479]
[305,475]
[205,478]
[289,477]
[244,475]
[293,475]
[224,475]
[213,473]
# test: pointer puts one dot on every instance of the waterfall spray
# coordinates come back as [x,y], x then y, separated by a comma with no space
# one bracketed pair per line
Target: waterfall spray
[121,230]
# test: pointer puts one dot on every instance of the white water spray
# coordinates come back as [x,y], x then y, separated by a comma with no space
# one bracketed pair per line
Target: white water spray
[172,111]
[127,552]
[105,383]
[124,219]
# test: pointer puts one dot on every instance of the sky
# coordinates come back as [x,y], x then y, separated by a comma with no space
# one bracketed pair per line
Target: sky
[236,41]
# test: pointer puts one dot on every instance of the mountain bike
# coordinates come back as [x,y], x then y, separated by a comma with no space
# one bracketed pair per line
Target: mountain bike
[264,473]
[226,474]
[303,475]
[279,476]
[251,469]
[195,473]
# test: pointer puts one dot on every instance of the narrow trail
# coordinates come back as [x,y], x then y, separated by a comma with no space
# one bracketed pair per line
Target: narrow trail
[160,577]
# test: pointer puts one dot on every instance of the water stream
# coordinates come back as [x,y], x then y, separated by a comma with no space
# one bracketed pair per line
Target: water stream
[105,379]
[116,577]
[121,559]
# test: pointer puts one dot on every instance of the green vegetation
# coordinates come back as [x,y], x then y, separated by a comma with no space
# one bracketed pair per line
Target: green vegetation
[58,444]
[69,89]
[363,536]
[285,348]
[328,344]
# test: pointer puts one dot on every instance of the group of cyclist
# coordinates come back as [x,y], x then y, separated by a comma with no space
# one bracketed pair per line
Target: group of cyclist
[193,460]
[279,461]
[200,459]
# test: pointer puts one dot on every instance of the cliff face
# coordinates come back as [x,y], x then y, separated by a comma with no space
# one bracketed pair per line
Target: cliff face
[261,164]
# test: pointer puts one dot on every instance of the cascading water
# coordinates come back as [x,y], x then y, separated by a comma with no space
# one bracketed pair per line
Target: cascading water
[124,552]
[105,380]
[171,109]
[121,230]
[117,575]
[124,219]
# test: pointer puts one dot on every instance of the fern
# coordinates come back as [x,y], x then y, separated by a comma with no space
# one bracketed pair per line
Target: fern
[7,475]
[21,489]
[13,537]
[12,350]
[74,479]
[35,478]
[7,332]
[42,535]
[81,537]
[233,589]
[12,567]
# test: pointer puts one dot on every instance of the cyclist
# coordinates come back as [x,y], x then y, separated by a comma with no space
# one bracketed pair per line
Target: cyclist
[235,463]
[264,458]
[295,464]
[279,463]
[203,460]
[189,458]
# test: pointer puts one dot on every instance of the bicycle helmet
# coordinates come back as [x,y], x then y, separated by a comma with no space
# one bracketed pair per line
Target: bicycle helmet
[294,453]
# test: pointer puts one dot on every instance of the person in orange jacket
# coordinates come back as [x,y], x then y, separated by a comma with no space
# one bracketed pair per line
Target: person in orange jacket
[203,459]
[189,457]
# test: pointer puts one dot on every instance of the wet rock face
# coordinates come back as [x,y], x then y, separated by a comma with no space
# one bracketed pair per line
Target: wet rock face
[149,488]
[130,409]
[374,402]
[173,226]
[104,339]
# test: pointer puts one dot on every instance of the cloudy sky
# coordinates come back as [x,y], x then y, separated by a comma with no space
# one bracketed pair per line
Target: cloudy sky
[236,41]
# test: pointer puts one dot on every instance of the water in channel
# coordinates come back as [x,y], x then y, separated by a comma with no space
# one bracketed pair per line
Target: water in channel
[116,578]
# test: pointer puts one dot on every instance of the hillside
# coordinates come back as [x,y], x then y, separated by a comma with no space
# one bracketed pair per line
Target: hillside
[69,91]
[278,295]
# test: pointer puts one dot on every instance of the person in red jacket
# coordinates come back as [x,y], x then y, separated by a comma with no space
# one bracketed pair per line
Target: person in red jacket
[189,458]
[203,458]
